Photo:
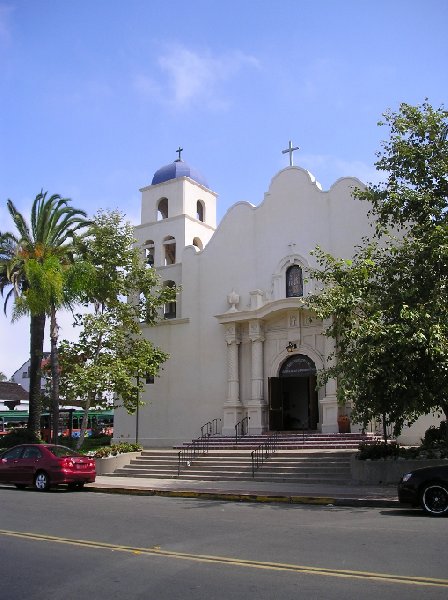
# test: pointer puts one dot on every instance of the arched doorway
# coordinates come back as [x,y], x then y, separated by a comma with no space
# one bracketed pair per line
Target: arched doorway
[293,403]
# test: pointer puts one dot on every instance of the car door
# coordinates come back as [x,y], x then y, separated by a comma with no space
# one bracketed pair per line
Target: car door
[10,465]
[28,463]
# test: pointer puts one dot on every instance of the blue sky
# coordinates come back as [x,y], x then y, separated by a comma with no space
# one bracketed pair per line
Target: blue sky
[96,95]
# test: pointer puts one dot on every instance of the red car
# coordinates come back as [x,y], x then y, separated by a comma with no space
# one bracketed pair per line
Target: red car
[45,465]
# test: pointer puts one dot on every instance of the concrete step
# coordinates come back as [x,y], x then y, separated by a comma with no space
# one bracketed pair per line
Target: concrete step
[316,441]
[319,467]
[225,470]
[307,457]
[241,477]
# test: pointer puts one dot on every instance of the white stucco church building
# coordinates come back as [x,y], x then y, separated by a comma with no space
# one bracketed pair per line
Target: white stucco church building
[240,338]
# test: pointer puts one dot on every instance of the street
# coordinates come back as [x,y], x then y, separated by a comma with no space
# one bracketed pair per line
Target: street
[78,544]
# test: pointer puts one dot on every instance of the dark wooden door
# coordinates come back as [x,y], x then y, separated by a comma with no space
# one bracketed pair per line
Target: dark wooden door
[275,404]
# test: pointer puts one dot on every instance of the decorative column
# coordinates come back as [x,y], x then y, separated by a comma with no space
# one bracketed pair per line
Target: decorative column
[256,408]
[329,402]
[233,409]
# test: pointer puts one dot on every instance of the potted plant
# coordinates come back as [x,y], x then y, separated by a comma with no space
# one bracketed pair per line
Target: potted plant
[344,423]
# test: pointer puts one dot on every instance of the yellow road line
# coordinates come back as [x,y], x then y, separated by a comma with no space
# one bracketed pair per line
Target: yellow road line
[273,566]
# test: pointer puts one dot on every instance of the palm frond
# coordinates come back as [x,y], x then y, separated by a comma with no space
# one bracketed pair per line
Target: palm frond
[19,221]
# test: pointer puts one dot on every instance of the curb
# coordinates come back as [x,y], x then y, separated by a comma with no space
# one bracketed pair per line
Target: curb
[246,497]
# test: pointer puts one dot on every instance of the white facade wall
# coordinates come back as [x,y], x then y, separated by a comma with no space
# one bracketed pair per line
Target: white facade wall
[222,353]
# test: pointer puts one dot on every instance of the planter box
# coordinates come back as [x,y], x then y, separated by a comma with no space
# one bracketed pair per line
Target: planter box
[389,471]
[106,466]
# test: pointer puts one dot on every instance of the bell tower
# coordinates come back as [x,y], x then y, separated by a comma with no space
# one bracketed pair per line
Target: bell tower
[178,210]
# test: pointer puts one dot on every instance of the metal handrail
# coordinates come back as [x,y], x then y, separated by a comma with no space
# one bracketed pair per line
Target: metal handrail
[241,428]
[305,426]
[211,428]
[264,451]
[186,456]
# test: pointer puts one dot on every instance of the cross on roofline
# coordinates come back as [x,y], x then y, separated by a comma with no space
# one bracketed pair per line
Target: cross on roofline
[290,150]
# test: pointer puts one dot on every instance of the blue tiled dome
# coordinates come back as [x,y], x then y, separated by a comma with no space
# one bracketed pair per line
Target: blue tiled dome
[178,168]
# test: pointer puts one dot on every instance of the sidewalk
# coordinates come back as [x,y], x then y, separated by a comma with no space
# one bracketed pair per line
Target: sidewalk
[250,491]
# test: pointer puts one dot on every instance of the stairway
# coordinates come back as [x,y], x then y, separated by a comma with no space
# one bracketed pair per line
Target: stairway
[309,458]
[234,465]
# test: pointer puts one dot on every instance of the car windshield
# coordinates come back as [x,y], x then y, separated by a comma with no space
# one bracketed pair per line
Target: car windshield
[61,451]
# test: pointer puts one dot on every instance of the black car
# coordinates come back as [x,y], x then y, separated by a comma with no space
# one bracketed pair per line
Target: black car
[426,487]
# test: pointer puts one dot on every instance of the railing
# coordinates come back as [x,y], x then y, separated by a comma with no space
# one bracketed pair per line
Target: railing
[241,428]
[211,428]
[305,426]
[189,453]
[264,451]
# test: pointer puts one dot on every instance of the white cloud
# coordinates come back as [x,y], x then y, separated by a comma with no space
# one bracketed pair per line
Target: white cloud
[191,76]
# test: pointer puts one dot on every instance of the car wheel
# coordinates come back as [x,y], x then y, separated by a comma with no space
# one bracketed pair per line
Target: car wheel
[20,486]
[41,482]
[435,499]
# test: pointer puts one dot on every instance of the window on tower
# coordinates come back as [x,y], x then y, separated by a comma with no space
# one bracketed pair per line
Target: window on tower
[149,252]
[197,242]
[169,244]
[169,309]
[162,209]
[200,210]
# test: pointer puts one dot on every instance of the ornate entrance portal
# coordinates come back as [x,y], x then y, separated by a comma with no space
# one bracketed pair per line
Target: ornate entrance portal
[293,403]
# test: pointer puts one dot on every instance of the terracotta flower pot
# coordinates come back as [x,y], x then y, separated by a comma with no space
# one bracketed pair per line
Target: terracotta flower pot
[344,424]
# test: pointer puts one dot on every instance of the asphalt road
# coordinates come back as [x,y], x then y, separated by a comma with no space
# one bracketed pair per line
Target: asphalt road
[64,545]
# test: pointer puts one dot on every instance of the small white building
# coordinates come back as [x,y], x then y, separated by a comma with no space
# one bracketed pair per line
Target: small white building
[240,338]
[22,375]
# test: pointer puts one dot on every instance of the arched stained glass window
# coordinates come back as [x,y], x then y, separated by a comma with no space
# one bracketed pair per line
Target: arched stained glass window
[294,282]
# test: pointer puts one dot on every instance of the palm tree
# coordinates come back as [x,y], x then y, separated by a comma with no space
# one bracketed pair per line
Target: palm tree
[12,275]
[47,242]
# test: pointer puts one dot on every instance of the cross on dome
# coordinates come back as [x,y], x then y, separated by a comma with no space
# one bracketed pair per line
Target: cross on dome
[179,152]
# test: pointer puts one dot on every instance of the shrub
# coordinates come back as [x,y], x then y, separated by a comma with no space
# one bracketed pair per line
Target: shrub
[436,436]
[115,449]
[422,452]
[433,446]
[19,436]
[378,450]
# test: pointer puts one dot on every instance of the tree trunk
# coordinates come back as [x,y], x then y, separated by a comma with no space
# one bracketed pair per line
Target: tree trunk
[444,406]
[91,395]
[37,334]
[85,420]
[384,428]
[54,374]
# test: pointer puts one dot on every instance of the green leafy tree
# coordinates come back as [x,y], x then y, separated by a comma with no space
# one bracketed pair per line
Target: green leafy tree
[112,357]
[387,307]
[2,376]
[37,249]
